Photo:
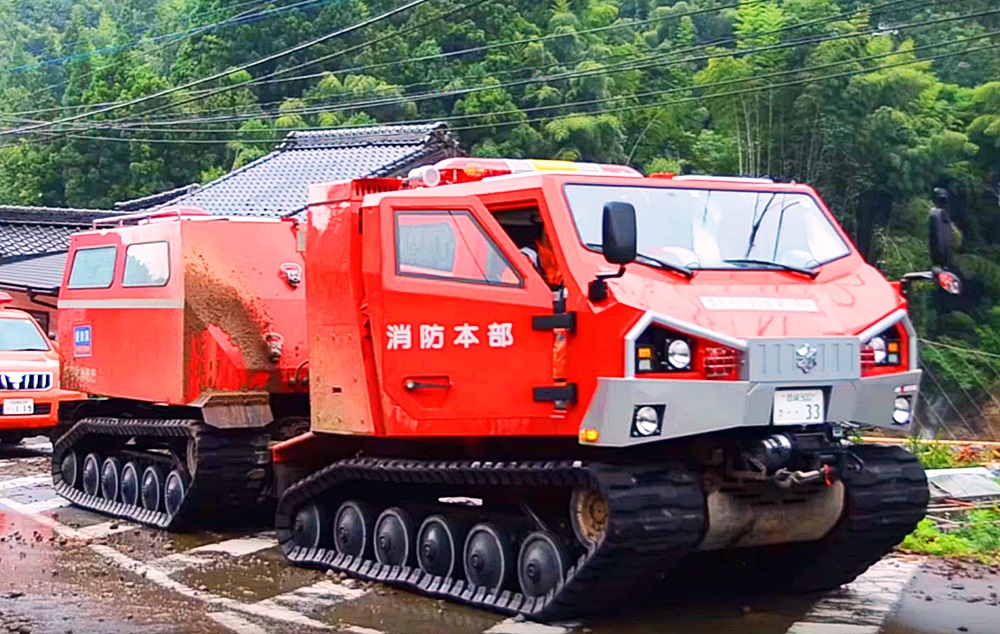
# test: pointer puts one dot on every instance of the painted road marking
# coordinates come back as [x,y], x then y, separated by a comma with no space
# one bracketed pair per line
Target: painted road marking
[163,580]
[86,533]
[357,629]
[519,626]
[50,504]
[863,606]
[236,623]
[177,562]
[315,598]
[23,483]
[241,546]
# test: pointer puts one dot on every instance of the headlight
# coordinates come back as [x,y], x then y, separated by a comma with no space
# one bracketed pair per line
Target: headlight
[679,354]
[877,344]
[646,421]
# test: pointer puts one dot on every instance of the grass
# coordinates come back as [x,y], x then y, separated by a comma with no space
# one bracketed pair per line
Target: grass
[975,534]
[934,456]
[977,537]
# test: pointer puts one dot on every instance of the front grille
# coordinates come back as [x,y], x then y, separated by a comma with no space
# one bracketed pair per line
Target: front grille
[21,381]
[805,359]
[41,409]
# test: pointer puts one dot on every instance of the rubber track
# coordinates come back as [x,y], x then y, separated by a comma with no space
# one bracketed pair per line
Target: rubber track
[657,515]
[231,470]
[887,496]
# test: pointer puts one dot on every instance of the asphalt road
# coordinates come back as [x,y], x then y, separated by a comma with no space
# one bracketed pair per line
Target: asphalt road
[64,570]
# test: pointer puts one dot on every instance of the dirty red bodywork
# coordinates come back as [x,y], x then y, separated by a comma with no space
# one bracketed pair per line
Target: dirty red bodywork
[357,296]
[205,321]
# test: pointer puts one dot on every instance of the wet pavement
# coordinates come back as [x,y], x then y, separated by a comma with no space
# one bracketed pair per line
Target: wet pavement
[65,570]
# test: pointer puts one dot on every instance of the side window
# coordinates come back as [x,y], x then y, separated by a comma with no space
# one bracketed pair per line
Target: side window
[449,245]
[93,268]
[147,264]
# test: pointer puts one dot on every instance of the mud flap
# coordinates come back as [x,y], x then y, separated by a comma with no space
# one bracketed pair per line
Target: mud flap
[247,410]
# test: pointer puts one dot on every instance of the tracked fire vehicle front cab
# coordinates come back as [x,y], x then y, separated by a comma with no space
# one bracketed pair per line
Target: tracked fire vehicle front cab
[622,373]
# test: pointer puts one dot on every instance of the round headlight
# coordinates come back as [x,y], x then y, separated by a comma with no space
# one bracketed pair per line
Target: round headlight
[679,354]
[646,421]
[901,411]
[877,344]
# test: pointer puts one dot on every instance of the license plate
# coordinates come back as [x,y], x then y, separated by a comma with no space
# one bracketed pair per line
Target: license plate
[18,406]
[798,406]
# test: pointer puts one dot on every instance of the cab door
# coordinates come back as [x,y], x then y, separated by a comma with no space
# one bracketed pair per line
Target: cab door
[451,303]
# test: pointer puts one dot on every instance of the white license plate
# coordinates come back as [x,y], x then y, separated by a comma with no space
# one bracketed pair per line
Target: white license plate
[18,406]
[798,406]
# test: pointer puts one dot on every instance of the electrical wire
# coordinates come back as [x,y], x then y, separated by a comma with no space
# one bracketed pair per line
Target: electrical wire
[264,60]
[164,126]
[605,70]
[492,125]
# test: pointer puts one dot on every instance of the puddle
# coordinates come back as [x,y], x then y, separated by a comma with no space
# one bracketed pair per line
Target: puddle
[251,578]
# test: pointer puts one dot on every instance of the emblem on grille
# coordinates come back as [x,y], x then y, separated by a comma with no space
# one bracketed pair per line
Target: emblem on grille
[805,358]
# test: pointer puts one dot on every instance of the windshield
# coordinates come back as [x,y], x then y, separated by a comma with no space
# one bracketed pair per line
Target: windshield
[19,335]
[714,229]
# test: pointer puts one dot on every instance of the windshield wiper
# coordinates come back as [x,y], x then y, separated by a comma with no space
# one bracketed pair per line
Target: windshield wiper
[676,268]
[648,259]
[811,273]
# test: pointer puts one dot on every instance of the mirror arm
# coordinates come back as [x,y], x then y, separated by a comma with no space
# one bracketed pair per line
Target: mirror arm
[597,290]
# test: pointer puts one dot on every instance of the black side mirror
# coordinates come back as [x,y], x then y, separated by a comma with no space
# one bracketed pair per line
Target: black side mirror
[618,233]
[942,238]
[618,238]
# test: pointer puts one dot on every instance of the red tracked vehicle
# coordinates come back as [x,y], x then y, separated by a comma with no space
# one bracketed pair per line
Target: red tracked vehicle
[188,332]
[499,419]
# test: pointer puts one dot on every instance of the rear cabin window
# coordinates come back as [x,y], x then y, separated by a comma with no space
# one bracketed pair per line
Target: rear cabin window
[450,245]
[93,268]
[147,264]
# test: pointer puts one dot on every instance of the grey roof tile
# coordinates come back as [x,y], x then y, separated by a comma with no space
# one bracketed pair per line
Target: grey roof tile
[41,273]
[277,184]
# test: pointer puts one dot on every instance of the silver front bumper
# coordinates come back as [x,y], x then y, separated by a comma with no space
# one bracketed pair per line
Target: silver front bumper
[698,407]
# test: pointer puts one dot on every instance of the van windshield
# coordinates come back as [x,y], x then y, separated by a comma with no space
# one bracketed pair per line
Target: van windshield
[714,229]
[20,335]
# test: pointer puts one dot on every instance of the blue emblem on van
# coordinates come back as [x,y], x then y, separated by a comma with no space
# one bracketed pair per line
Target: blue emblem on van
[81,341]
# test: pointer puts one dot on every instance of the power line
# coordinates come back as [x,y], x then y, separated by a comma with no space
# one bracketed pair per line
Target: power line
[247,18]
[755,90]
[219,75]
[659,54]
[605,70]
[411,99]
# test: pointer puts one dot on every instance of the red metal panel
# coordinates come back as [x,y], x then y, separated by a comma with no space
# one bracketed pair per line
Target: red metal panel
[471,358]
[343,389]
[206,329]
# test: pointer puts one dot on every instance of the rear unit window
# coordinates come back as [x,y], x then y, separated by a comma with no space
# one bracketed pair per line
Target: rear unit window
[93,268]
[147,264]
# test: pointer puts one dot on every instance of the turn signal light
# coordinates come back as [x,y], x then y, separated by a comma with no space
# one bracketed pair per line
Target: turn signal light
[720,363]
[589,435]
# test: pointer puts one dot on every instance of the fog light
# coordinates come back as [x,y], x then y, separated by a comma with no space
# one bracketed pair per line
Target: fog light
[646,421]
[901,411]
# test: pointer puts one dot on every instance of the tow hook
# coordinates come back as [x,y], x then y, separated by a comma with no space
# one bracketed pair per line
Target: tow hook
[274,343]
[786,479]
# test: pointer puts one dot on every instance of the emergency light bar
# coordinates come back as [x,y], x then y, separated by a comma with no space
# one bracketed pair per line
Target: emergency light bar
[5,299]
[466,170]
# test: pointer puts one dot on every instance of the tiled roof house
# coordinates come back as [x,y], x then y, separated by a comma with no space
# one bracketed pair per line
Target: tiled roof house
[277,184]
[33,240]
